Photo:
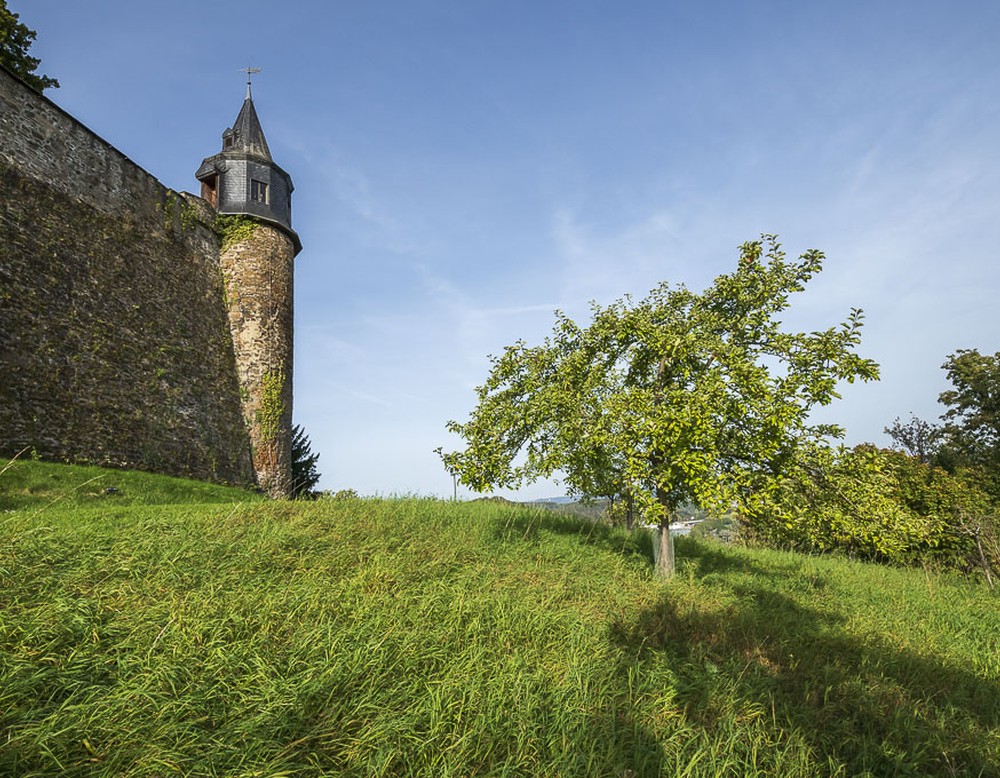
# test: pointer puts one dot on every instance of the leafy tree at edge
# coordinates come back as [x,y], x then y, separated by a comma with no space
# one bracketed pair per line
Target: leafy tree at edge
[15,41]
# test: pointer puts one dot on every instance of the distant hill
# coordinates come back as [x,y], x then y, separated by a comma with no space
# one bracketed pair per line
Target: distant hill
[593,509]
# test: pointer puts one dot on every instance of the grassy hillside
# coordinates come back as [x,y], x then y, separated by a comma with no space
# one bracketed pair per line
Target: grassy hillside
[424,638]
[25,483]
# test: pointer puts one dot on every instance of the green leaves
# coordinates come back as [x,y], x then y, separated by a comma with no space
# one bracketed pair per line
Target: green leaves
[304,473]
[973,416]
[15,41]
[681,396]
[879,505]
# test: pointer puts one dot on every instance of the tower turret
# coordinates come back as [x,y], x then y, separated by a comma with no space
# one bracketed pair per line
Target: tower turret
[257,259]
[244,179]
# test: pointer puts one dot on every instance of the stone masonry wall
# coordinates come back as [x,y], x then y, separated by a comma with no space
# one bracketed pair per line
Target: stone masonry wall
[114,342]
[258,266]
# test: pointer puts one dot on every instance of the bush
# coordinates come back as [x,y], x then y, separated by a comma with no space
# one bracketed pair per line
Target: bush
[882,506]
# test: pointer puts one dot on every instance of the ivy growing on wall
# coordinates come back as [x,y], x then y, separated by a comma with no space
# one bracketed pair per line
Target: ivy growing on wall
[174,208]
[234,228]
[272,405]
[91,298]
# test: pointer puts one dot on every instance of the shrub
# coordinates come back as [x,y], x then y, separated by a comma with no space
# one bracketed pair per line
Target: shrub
[882,506]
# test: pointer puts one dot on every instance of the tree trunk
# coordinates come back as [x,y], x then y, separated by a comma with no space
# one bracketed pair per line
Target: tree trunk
[665,542]
[665,550]
[984,561]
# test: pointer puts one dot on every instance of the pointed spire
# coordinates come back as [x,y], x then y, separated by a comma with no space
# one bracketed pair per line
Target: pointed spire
[242,178]
[248,136]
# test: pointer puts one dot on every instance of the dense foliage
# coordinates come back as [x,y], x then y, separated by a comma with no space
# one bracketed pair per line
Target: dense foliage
[15,41]
[882,506]
[971,435]
[917,438]
[933,501]
[679,397]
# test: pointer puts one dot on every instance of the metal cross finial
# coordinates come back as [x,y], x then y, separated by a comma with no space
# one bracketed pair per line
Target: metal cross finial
[249,71]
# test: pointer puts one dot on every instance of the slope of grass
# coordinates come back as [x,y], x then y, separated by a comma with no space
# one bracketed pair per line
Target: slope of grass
[25,483]
[423,638]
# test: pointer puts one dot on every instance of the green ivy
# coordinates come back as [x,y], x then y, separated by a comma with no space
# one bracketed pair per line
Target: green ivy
[272,404]
[234,228]
[169,209]
[176,208]
[189,215]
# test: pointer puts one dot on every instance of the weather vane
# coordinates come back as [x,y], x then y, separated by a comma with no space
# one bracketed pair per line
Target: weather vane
[249,71]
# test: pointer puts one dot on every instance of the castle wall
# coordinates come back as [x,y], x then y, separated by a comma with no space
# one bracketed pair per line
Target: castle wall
[47,144]
[114,341]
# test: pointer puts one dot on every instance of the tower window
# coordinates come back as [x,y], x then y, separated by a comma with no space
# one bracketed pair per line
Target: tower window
[210,190]
[258,191]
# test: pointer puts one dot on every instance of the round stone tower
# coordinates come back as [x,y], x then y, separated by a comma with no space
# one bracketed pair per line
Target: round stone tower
[253,197]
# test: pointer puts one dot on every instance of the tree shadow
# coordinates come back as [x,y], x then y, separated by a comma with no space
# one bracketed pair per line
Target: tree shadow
[859,702]
[528,525]
[704,558]
[700,557]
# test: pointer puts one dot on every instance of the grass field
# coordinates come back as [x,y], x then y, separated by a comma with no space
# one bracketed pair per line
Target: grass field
[162,630]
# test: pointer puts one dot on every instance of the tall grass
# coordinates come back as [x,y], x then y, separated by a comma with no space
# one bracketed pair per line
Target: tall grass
[26,483]
[413,637]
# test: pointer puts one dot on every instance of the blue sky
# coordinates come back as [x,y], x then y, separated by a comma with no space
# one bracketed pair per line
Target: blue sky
[463,168]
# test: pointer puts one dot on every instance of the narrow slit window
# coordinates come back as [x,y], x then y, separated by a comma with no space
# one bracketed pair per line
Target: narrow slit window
[258,191]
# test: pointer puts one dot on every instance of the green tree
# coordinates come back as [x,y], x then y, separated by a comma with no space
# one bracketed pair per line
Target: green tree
[682,397]
[304,473]
[916,437]
[15,41]
[972,418]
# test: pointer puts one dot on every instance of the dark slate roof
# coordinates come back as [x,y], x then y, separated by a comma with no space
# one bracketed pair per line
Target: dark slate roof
[248,137]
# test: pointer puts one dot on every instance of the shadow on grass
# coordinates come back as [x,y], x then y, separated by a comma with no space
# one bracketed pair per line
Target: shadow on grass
[861,704]
[343,740]
[700,556]
[528,526]
[858,702]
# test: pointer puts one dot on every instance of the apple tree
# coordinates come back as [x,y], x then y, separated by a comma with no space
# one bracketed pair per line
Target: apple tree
[680,397]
